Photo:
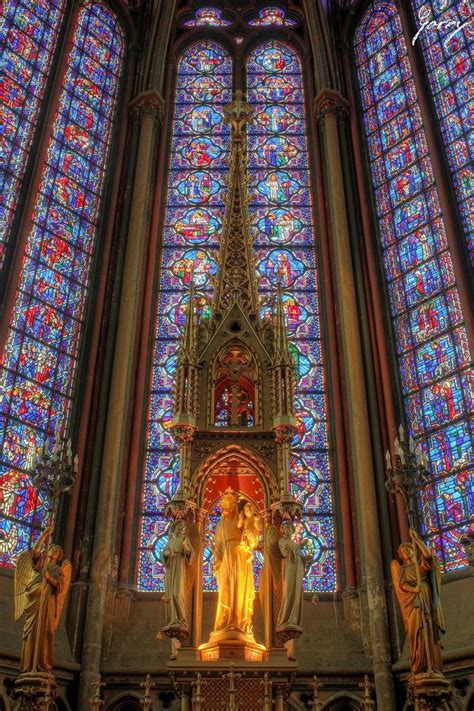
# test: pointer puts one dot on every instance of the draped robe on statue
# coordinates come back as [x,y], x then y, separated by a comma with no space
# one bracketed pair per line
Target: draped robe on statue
[293,570]
[234,578]
[40,616]
[421,607]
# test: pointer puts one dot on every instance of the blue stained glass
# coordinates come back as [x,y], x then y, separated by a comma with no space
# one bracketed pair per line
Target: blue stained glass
[28,36]
[449,59]
[431,340]
[39,362]
[195,204]
[282,223]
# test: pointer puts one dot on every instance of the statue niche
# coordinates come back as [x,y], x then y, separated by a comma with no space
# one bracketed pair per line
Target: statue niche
[234,401]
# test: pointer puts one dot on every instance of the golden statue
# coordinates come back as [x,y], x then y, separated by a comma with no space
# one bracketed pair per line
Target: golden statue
[233,567]
[179,560]
[289,563]
[417,583]
[41,585]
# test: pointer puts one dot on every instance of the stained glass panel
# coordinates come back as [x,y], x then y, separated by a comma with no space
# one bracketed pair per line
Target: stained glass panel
[431,339]
[28,35]
[195,204]
[39,362]
[208,17]
[449,56]
[284,237]
[275,16]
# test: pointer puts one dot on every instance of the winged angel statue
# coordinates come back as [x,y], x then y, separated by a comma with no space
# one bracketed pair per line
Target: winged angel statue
[289,564]
[41,586]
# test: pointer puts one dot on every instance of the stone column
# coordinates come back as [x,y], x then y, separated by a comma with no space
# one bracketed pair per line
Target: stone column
[330,108]
[268,587]
[148,108]
[185,703]
[197,592]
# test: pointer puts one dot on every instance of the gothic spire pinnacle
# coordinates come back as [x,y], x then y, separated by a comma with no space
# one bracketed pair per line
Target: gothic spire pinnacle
[187,346]
[282,350]
[236,279]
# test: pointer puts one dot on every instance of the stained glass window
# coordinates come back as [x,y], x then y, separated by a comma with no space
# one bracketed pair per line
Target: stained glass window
[449,55]
[431,340]
[195,204]
[284,238]
[272,16]
[39,362]
[208,16]
[28,34]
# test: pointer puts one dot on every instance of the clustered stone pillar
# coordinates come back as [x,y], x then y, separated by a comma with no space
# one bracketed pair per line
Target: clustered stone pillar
[146,107]
[330,109]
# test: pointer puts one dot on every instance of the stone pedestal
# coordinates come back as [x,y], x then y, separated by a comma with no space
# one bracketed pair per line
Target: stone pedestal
[429,692]
[231,644]
[34,691]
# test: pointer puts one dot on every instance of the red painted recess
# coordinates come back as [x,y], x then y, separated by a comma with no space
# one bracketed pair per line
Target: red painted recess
[237,475]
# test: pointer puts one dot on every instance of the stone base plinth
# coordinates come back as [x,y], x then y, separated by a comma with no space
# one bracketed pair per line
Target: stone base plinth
[34,690]
[231,644]
[429,692]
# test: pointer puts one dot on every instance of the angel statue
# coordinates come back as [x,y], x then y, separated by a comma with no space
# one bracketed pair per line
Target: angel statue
[289,563]
[417,583]
[41,585]
[179,557]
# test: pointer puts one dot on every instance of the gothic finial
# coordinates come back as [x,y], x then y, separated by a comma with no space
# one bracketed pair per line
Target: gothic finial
[238,113]
[282,349]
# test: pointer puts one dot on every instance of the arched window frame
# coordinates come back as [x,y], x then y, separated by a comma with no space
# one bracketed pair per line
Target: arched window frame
[100,238]
[442,183]
[134,503]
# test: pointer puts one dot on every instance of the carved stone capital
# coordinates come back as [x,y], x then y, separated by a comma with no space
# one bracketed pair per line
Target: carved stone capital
[284,433]
[183,434]
[286,509]
[147,103]
[329,101]
[181,508]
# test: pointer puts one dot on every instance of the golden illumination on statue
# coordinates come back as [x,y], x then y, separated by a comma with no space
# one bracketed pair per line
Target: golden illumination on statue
[235,540]
[417,583]
[41,585]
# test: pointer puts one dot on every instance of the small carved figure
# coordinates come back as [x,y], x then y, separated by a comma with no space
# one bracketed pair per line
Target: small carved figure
[417,583]
[41,585]
[249,524]
[178,557]
[289,564]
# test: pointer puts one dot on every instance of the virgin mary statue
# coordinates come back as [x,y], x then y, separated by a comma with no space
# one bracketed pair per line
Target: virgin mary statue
[233,569]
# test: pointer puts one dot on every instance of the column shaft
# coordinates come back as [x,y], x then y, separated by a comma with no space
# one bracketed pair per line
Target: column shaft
[119,399]
[329,104]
